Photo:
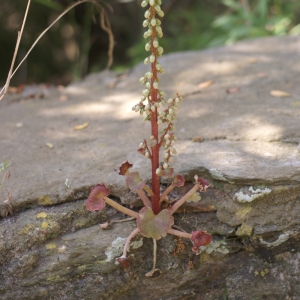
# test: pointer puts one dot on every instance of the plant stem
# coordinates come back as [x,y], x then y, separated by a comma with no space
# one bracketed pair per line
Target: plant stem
[184,198]
[154,126]
[180,233]
[144,197]
[169,189]
[121,208]
[132,234]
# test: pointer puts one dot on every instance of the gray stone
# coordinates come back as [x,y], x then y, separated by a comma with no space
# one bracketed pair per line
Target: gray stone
[244,141]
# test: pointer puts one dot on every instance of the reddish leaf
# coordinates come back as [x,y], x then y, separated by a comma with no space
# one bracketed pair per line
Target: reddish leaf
[96,200]
[169,173]
[124,168]
[123,261]
[203,184]
[154,226]
[178,180]
[200,238]
[134,181]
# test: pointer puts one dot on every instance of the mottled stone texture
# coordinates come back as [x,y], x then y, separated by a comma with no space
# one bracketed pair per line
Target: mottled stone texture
[245,143]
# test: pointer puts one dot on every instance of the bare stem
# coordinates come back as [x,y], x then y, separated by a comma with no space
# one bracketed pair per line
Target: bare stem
[154,253]
[169,189]
[144,198]
[154,126]
[148,190]
[180,233]
[132,234]
[184,198]
[121,208]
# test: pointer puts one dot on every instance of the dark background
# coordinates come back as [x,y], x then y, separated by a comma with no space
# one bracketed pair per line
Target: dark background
[77,45]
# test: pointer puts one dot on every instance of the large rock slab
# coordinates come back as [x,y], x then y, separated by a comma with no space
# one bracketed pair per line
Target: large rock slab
[234,133]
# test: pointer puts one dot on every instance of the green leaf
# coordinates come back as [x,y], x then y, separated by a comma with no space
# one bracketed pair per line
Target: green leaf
[154,226]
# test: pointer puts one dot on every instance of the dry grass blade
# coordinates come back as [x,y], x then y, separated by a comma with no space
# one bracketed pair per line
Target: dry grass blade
[11,73]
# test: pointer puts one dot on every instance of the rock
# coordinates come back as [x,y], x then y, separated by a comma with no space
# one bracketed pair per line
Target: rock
[233,132]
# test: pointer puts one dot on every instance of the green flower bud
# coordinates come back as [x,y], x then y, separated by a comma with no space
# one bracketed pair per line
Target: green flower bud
[165,165]
[155,43]
[147,14]
[153,22]
[152,2]
[148,85]
[152,58]
[158,171]
[158,66]
[160,49]
[155,85]
[157,8]
[145,23]
[160,13]
[147,47]
[146,60]
[144,4]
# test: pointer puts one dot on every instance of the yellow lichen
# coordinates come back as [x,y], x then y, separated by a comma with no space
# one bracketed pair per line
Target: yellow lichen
[81,268]
[45,200]
[50,246]
[242,212]
[45,225]
[41,215]
[244,230]
[27,229]
[53,278]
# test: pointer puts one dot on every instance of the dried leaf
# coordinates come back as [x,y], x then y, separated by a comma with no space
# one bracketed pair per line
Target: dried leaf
[253,60]
[197,139]
[203,184]
[179,180]
[125,166]
[82,126]
[154,274]
[232,90]
[105,225]
[200,238]
[96,200]
[154,226]
[134,181]
[261,75]
[49,145]
[205,84]
[169,173]
[281,94]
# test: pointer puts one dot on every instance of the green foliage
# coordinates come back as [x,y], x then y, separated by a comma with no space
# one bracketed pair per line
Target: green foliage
[243,19]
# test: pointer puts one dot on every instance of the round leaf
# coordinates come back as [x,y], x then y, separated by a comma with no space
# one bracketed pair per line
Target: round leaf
[178,180]
[154,226]
[200,238]
[96,200]
[134,181]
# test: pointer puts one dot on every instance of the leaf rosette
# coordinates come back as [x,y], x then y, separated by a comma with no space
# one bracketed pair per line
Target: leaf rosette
[154,226]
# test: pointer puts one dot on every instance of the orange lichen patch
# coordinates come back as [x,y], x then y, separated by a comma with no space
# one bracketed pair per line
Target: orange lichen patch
[190,265]
[179,247]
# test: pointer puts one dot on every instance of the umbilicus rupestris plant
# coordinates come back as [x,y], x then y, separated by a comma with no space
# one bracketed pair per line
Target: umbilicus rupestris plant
[153,221]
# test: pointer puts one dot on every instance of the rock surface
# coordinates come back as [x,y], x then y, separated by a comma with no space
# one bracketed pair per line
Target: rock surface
[234,133]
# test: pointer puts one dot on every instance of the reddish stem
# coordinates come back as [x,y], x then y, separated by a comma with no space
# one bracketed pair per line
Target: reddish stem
[154,126]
